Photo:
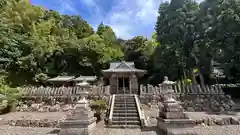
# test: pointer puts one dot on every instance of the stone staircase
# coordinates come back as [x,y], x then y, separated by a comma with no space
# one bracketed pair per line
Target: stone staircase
[125,113]
[236,106]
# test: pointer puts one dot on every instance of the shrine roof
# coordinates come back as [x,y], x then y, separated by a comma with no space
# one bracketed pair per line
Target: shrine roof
[122,67]
[85,78]
[61,79]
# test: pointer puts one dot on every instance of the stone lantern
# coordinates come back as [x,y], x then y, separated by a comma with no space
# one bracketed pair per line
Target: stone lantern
[82,120]
[172,115]
[168,91]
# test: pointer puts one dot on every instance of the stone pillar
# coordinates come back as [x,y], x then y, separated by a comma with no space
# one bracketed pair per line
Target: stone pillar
[81,122]
[113,83]
[130,86]
[117,81]
[134,84]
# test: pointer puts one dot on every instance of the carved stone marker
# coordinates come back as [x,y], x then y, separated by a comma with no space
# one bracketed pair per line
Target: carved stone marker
[81,122]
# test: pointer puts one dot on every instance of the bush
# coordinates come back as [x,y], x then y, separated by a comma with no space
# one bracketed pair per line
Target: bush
[9,98]
[99,106]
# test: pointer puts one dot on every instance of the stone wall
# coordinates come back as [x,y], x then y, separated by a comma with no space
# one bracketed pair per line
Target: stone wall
[193,97]
[53,104]
[206,102]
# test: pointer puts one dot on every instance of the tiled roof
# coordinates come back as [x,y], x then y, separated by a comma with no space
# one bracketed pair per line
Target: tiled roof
[122,67]
[62,78]
[116,64]
[86,78]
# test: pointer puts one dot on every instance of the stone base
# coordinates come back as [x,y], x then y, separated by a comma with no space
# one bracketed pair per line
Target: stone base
[175,115]
[73,131]
[77,127]
[164,124]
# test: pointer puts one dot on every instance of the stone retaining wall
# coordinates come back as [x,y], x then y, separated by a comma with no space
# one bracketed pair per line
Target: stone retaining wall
[42,107]
[34,123]
[206,102]
[196,102]
[52,104]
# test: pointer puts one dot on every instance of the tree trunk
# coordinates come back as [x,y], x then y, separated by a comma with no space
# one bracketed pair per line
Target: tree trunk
[192,75]
[199,71]
[184,75]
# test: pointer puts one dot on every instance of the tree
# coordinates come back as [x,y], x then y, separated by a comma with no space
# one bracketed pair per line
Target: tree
[176,31]
[37,44]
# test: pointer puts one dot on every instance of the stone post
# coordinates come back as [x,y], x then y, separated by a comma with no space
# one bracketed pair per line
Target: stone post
[81,121]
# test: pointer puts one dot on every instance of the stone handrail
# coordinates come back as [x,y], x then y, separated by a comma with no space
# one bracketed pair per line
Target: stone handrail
[140,111]
[111,109]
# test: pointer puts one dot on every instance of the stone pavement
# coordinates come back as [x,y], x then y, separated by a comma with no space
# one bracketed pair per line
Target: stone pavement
[10,130]
[209,130]
[111,131]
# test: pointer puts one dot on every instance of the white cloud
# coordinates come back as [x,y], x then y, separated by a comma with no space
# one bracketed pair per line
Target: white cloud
[128,17]
[67,5]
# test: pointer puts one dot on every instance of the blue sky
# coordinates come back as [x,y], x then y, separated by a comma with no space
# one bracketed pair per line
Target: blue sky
[128,18]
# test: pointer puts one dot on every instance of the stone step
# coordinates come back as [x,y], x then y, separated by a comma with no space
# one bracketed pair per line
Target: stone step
[124,107]
[236,107]
[125,114]
[124,126]
[126,122]
[122,97]
[125,111]
[124,100]
[124,104]
[125,118]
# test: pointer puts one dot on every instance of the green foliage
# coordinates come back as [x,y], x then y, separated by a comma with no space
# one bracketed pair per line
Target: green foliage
[194,35]
[36,44]
[140,50]
[8,96]
[99,105]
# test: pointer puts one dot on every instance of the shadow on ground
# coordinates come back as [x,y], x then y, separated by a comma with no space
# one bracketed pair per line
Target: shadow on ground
[154,129]
[55,131]
[221,113]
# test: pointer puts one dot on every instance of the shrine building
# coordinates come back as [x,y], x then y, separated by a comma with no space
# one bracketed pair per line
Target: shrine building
[123,77]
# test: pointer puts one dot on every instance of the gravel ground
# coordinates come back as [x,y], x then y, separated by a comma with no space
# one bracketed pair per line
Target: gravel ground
[8,130]
[211,130]
[152,113]
[33,115]
[111,131]
[200,115]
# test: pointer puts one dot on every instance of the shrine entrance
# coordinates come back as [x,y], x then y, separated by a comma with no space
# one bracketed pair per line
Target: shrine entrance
[123,77]
[123,85]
